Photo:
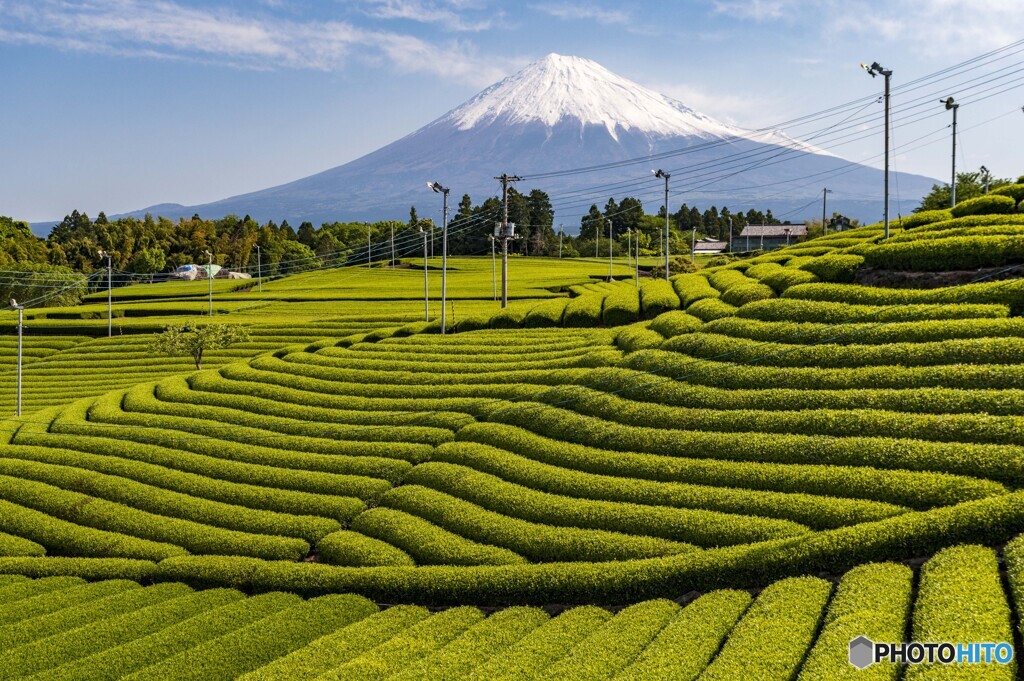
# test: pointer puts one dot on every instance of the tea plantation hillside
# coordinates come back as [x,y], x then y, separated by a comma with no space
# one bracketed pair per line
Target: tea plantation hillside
[813,454]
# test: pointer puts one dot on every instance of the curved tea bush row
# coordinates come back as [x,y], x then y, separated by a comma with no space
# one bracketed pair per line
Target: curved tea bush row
[960,252]
[43,596]
[427,543]
[656,297]
[709,309]
[584,311]
[548,313]
[960,598]
[903,488]
[675,323]
[704,528]
[739,296]
[814,511]
[621,306]
[345,547]
[1008,293]
[872,600]
[1004,463]
[19,546]
[837,268]
[637,337]
[125,520]
[534,541]
[693,287]
[983,230]
[725,279]
[984,205]
[793,310]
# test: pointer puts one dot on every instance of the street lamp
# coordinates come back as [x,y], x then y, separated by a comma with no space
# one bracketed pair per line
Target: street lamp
[437,188]
[662,174]
[110,319]
[259,267]
[209,276]
[787,230]
[693,246]
[986,176]
[611,250]
[875,70]
[952,106]
[494,271]
[824,202]
[426,285]
[21,311]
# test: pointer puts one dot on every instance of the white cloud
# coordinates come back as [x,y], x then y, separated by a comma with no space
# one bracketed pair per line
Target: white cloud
[758,10]
[614,17]
[167,30]
[742,111]
[446,14]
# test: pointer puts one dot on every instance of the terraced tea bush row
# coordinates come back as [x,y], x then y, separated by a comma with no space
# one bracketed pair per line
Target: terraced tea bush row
[693,287]
[345,547]
[637,337]
[656,297]
[836,268]
[739,296]
[548,313]
[925,217]
[967,576]
[710,309]
[534,541]
[675,323]
[1006,293]
[427,543]
[50,594]
[584,311]
[725,279]
[902,488]
[797,310]
[984,230]
[985,205]
[814,511]
[704,528]
[621,306]
[18,546]
[961,252]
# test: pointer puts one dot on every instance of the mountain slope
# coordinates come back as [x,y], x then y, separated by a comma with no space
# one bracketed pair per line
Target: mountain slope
[562,113]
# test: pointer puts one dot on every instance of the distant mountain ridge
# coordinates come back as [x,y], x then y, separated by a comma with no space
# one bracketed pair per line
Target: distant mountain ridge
[563,113]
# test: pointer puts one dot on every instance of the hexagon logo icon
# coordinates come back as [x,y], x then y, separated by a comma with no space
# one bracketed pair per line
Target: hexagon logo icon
[862,652]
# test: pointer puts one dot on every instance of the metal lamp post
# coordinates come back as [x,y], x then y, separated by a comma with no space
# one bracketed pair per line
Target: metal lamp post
[21,319]
[437,187]
[824,202]
[209,277]
[611,251]
[666,176]
[426,279]
[110,317]
[874,70]
[952,106]
[259,268]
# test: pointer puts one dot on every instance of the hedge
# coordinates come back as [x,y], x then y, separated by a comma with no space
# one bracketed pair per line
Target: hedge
[787,613]
[693,287]
[710,309]
[335,649]
[14,588]
[985,205]
[785,277]
[637,337]
[725,279]
[124,520]
[427,543]
[1009,293]
[1014,191]
[818,512]
[479,643]
[543,646]
[739,296]
[538,542]
[253,646]
[86,568]
[510,318]
[353,549]
[917,490]
[168,503]
[950,253]
[834,267]
[621,306]
[987,230]
[1003,463]
[657,296]
[584,310]
[473,323]
[685,647]
[925,217]
[203,483]
[21,633]
[872,600]
[547,313]
[136,655]
[701,527]
[793,310]
[113,631]
[50,594]
[407,646]
[675,323]
[960,598]
[18,546]
[611,648]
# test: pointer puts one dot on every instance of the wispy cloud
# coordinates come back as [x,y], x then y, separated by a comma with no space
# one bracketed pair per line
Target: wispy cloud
[582,11]
[165,29]
[449,15]
[758,10]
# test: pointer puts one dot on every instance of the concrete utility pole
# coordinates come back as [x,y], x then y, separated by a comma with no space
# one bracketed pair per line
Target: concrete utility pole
[636,261]
[824,202]
[426,281]
[110,316]
[369,249]
[209,276]
[629,248]
[259,267]
[560,235]
[951,105]
[693,246]
[666,176]
[21,311]
[392,243]
[984,174]
[506,232]
[611,251]
[730,234]
[437,187]
[874,70]
[494,271]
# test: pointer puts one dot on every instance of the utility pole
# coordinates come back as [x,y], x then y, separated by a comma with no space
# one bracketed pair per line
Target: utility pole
[611,251]
[666,176]
[874,70]
[437,187]
[629,248]
[951,105]
[259,267]
[730,234]
[636,261]
[392,223]
[560,235]
[369,249]
[209,277]
[506,232]
[21,310]
[824,202]
[494,275]
[984,174]
[110,316]
[426,284]
[693,246]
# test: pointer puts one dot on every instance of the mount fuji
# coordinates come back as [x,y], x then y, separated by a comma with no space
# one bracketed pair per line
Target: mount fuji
[572,128]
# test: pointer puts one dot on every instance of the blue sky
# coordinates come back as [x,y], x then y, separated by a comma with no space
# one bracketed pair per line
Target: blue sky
[119,104]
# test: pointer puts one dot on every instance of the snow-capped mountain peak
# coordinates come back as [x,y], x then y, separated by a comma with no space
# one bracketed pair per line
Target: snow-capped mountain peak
[557,89]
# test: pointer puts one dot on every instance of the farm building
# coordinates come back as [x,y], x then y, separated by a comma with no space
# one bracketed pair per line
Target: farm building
[769,237]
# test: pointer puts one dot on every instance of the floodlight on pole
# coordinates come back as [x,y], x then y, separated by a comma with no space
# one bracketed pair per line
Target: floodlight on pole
[877,70]
[110,317]
[209,276]
[437,187]
[986,176]
[951,105]
[426,284]
[259,268]
[662,174]
[21,319]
